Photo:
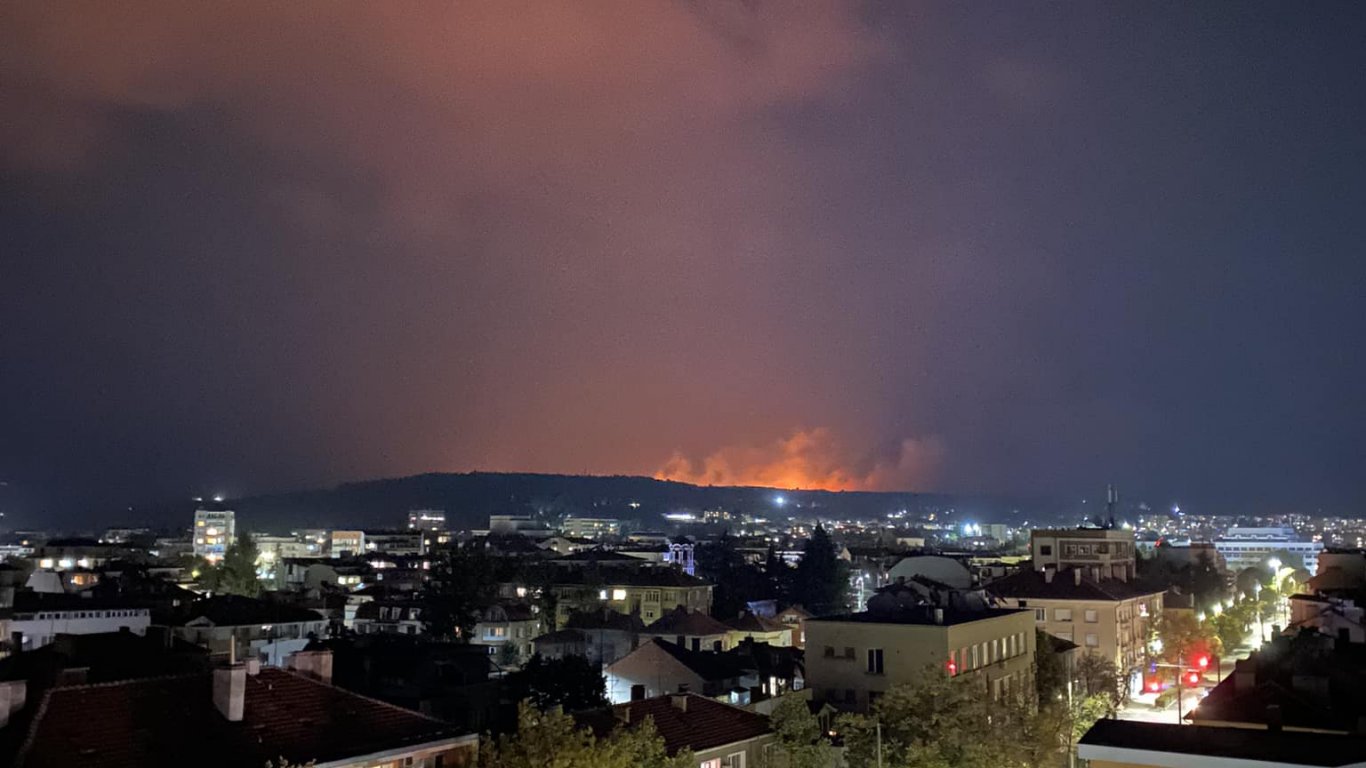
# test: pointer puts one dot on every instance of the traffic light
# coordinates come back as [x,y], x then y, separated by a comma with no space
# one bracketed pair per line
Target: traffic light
[1193,678]
[1202,662]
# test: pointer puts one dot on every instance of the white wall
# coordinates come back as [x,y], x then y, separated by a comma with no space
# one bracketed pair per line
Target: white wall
[40,632]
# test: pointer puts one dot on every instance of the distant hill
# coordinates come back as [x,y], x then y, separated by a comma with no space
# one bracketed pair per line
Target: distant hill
[470,498]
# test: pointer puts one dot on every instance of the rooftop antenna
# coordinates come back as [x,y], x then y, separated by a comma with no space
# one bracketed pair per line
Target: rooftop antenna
[1111,499]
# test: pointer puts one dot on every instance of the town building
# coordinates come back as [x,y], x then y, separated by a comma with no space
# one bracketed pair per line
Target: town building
[852,659]
[1110,618]
[215,527]
[394,615]
[591,527]
[719,735]
[246,626]
[238,716]
[647,592]
[345,543]
[1248,547]
[394,542]
[1101,553]
[38,619]
[427,520]
[518,525]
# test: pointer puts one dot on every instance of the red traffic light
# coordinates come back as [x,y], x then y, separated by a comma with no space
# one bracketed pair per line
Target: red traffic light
[1202,661]
[1193,678]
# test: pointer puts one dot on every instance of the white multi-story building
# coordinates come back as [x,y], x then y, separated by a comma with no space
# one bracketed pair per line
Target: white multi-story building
[1247,547]
[214,530]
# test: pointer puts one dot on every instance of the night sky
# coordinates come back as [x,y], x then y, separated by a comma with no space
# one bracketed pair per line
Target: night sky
[1001,247]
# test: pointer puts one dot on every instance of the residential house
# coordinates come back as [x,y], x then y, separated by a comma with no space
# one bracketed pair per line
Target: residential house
[239,716]
[691,629]
[795,616]
[507,630]
[247,626]
[602,636]
[752,626]
[660,666]
[852,659]
[719,735]
[395,615]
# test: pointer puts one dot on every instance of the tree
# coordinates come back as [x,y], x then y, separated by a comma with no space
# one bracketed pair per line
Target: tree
[462,585]
[235,574]
[552,739]
[822,578]
[1184,637]
[939,721]
[570,682]
[1097,676]
[1050,676]
[737,582]
[801,741]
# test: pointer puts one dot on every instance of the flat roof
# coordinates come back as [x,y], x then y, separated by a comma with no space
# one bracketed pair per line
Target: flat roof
[921,616]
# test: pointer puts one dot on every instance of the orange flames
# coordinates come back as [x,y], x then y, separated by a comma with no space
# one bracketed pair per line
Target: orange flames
[811,459]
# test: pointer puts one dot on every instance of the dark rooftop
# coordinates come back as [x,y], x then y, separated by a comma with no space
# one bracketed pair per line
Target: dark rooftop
[684,721]
[1289,747]
[167,721]
[681,621]
[236,611]
[923,615]
[1064,585]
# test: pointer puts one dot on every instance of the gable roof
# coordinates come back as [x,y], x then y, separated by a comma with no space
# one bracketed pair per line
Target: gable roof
[708,665]
[684,721]
[681,621]
[753,622]
[163,721]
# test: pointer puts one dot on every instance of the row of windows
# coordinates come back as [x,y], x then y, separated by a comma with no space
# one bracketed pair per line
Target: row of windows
[1090,615]
[63,615]
[979,655]
[1092,639]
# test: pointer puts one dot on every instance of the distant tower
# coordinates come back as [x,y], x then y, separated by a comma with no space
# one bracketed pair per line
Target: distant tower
[1111,501]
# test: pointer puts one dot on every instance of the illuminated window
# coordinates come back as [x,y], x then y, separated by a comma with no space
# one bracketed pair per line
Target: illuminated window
[602,594]
[618,594]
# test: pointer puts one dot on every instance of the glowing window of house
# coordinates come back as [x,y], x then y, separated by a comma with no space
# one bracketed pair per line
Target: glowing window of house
[618,594]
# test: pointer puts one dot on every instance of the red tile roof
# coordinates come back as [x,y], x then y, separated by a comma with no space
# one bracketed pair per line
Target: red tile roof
[172,721]
[699,725]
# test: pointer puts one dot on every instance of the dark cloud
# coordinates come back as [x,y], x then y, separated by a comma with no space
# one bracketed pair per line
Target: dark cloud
[262,245]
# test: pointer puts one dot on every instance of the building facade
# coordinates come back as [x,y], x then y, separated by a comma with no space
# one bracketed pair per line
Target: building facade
[1109,618]
[1101,553]
[853,659]
[1248,547]
[214,530]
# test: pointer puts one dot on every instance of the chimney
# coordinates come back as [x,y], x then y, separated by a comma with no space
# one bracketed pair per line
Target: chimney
[938,615]
[1076,576]
[1048,575]
[13,695]
[679,701]
[314,664]
[230,691]
[254,666]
